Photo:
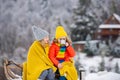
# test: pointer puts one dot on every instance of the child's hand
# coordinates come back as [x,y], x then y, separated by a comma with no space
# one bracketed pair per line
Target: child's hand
[67,44]
[60,65]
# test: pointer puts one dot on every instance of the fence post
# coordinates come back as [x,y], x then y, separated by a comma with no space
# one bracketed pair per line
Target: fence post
[82,73]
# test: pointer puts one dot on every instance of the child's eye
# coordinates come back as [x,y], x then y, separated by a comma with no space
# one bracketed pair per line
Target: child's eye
[62,38]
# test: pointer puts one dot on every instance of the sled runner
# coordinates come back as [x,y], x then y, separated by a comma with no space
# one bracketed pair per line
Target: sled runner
[12,70]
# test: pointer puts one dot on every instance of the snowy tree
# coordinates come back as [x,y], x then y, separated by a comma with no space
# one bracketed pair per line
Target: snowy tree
[18,16]
[84,21]
[89,14]
[88,47]
[117,70]
[79,17]
[115,48]
[102,64]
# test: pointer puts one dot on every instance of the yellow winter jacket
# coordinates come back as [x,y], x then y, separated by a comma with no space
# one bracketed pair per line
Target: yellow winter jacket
[37,62]
[69,70]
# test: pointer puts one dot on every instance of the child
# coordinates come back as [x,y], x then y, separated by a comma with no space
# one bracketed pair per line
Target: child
[61,52]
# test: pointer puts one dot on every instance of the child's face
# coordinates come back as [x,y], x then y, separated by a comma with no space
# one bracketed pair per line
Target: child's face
[62,40]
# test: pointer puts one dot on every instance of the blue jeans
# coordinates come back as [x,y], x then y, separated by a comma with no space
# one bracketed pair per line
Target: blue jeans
[47,74]
[62,78]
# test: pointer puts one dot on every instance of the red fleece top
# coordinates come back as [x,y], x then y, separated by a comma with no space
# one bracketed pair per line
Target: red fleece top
[54,50]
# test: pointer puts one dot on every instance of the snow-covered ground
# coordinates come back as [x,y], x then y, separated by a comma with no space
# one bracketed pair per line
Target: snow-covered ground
[103,76]
[92,64]
[98,76]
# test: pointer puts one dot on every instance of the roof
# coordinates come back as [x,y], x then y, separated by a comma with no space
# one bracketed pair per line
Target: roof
[110,26]
[84,42]
[117,17]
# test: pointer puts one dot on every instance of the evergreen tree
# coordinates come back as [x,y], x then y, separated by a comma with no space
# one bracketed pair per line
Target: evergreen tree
[84,21]
[88,47]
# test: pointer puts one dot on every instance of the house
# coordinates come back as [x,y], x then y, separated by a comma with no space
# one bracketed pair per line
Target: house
[114,19]
[110,30]
[80,45]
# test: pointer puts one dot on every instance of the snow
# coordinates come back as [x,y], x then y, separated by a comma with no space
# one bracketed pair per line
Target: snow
[84,42]
[117,17]
[88,37]
[118,40]
[19,78]
[114,26]
[103,76]
[90,64]
[93,63]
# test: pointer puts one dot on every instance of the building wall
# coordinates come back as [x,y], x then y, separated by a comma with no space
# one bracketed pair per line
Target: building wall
[107,34]
[78,47]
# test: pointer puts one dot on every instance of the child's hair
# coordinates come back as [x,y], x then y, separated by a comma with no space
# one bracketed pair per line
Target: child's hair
[55,40]
[67,40]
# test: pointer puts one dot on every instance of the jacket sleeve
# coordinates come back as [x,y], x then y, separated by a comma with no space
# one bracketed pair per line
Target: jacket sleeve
[70,51]
[52,56]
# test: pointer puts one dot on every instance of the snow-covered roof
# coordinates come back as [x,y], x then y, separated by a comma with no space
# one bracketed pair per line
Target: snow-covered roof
[84,42]
[117,17]
[113,26]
